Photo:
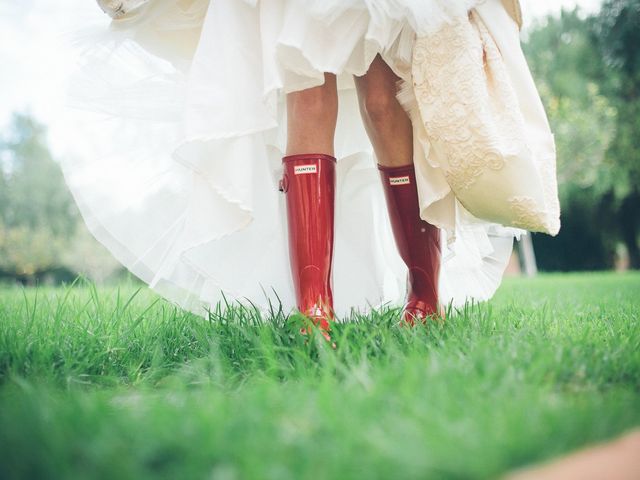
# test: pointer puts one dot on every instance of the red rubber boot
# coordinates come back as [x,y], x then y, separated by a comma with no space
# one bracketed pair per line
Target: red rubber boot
[418,243]
[309,182]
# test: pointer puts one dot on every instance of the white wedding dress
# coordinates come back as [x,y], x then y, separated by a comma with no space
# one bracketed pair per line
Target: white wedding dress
[181,109]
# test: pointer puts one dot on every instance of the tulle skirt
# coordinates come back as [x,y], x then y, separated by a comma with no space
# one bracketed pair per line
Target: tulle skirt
[181,124]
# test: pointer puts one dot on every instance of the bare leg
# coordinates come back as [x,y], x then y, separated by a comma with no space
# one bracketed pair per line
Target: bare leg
[311,119]
[391,134]
[386,122]
[616,460]
[309,181]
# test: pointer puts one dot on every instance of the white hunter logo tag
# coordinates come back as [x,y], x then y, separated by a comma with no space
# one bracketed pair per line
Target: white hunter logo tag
[399,180]
[302,169]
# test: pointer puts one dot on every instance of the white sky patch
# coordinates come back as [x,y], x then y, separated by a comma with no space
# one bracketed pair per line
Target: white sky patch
[533,9]
[35,57]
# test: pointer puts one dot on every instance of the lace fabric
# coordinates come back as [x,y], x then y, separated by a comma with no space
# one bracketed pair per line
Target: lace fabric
[473,130]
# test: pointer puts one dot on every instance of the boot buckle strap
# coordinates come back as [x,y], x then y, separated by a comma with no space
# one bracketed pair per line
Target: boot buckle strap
[283,185]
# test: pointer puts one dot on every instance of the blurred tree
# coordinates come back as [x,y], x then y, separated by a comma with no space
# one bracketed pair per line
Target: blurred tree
[565,63]
[40,228]
[35,193]
[580,92]
[616,32]
[36,214]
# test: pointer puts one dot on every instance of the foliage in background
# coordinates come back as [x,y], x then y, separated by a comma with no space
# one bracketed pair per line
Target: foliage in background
[40,228]
[36,215]
[587,73]
[616,32]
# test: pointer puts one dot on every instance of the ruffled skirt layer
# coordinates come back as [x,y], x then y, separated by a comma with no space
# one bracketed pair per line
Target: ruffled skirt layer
[181,128]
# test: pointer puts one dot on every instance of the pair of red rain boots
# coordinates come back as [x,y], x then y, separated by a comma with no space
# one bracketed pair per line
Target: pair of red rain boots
[309,182]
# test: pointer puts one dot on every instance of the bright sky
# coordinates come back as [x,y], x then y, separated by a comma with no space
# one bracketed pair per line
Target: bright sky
[35,57]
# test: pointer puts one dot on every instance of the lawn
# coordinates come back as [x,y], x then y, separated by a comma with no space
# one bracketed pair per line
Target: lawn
[118,384]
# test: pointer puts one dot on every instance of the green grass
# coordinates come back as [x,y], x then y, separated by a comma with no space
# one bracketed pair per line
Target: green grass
[106,383]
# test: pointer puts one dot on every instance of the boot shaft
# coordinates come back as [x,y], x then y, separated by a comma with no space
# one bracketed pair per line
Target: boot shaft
[418,241]
[309,183]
